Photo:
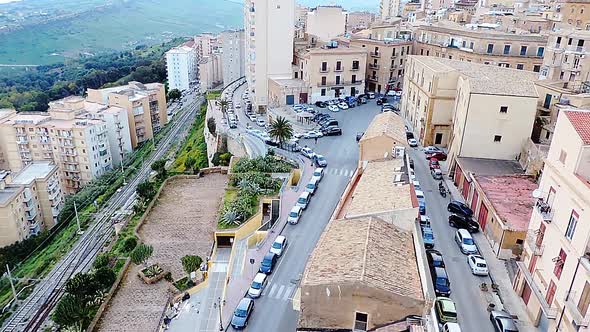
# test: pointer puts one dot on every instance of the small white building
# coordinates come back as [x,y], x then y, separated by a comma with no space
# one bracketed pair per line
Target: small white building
[181,64]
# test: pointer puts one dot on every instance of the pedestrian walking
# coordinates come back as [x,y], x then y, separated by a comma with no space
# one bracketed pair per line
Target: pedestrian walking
[316,140]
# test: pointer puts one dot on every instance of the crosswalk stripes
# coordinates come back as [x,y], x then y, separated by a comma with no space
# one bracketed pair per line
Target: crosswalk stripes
[340,171]
[279,292]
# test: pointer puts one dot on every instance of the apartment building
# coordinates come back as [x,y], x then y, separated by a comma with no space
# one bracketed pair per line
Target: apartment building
[78,146]
[481,45]
[385,63]
[269,45]
[358,21]
[553,277]
[573,13]
[389,9]
[145,105]
[115,118]
[30,201]
[300,16]
[232,58]
[210,71]
[326,22]
[181,65]
[476,110]
[205,44]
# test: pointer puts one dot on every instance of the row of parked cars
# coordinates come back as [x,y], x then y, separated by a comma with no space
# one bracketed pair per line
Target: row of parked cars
[328,127]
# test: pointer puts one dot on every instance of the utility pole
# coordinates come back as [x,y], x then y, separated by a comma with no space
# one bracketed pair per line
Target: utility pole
[220,321]
[11,282]
[123,171]
[77,218]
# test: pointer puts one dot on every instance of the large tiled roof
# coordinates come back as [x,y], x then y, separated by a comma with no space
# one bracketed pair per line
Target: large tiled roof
[580,120]
[487,79]
[388,124]
[365,252]
[511,197]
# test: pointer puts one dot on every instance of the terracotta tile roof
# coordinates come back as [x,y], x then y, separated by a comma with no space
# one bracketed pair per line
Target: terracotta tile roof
[366,252]
[511,197]
[388,124]
[581,122]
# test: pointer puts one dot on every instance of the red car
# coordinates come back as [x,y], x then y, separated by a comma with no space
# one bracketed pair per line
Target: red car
[433,163]
[437,155]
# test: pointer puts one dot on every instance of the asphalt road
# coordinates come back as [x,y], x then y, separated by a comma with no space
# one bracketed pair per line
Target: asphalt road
[274,310]
[465,292]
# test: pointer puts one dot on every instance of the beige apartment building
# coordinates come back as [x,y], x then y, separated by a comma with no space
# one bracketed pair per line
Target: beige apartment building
[30,201]
[481,45]
[210,71]
[554,275]
[78,146]
[145,105]
[358,21]
[476,110]
[326,22]
[573,13]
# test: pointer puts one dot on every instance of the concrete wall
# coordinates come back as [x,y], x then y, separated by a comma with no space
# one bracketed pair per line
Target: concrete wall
[375,148]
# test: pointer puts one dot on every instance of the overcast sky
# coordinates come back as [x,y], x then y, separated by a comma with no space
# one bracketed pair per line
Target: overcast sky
[372,5]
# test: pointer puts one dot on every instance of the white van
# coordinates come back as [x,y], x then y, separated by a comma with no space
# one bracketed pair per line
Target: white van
[294,215]
[465,242]
[303,200]
[312,185]
[451,327]
[258,285]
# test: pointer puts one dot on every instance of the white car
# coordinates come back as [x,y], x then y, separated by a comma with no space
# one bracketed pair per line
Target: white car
[298,135]
[371,95]
[431,149]
[343,106]
[261,122]
[313,134]
[258,285]
[465,242]
[478,265]
[307,152]
[334,108]
[413,142]
[279,246]
[310,110]
[252,117]
[294,215]
[318,173]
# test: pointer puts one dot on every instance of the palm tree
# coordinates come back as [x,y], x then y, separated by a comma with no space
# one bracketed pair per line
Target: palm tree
[223,103]
[281,130]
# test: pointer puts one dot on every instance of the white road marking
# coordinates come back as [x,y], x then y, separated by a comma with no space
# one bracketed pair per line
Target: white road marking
[279,292]
[272,289]
[288,294]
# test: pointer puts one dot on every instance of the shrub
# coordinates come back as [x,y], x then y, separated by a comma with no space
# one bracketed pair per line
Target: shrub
[129,244]
[102,261]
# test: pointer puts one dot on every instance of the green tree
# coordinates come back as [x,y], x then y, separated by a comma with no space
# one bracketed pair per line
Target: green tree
[129,244]
[281,130]
[174,94]
[189,163]
[146,190]
[72,311]
[102,260]
[191,263]
[104,278]
[211,125]
[141,254]
[83,287]
[160,167]
[223,103]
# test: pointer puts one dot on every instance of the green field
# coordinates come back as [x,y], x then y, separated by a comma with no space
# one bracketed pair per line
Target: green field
[121,26]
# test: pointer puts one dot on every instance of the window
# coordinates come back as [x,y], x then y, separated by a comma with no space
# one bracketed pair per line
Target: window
[394,52]
[550,293]
[337,79]
[537,68]
[506,49]
[497,138]
[490,48]
[503,109]
[540,51]
[471,45]
[519,66]
[523,50]
[422,52]
[323,92]
[323,80]
[584,300]
[571,225]
[355,64]
[353,79]
[562,156]
[338,65]
[324,66]
[361,321]
[559,263]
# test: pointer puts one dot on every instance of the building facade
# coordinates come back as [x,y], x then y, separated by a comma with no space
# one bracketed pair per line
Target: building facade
[326,22]
[358,21]
[269,45]
[389,9]
[181,65]
[232,58]
[210,71]
[553,278]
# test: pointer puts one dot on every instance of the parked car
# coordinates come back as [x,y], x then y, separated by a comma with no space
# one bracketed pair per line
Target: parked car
[436,173]
[371,95]
[442,285]
[460,221]
[242,313]
[424,221]
[502,321]
[409,134]
[381,100]
[433,163]
[303,200]
[279,246]
[312,185]
[435,258]
[343,106]
[413,142]
[298,135]
[268,263]
[431,149]
[257,285]
[416,184]
[332,131]
[359,136]
[328,122]
[321,104]
[294,215]
[451,327]
[320,160]
[313,134]
[307,152]
[421,201]
[318,173]
[459,208]
[478,265]
[445,310]
[271,142]
[261,122]
[465,242]
[428,237]
[438,155]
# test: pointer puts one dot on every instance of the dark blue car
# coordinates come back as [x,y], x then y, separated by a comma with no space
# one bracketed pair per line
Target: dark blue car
[422,207]
[442,285]
[268,263]
[242,313]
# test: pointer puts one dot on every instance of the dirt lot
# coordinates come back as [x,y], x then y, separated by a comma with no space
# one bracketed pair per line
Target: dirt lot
[182,222]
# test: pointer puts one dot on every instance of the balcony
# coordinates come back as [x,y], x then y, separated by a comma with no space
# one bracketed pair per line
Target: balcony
[544,210]
[393,67]
[572,306]
[375,54]
[31,214]
[324,69]
[354,69]
[531,242]
[341,83]
[575,49]
[34,228]
[374,78]
[549,311]
[22,140]
[20,133]
[373,66]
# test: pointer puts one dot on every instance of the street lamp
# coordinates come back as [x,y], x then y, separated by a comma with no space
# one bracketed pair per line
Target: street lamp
[220,320]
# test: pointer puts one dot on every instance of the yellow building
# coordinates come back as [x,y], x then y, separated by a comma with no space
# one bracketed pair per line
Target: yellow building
[574,13]
[384,133]
[145,105]
[554,275]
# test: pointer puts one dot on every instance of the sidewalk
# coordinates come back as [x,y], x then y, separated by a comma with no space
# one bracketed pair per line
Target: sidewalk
[506,298]
[244,272]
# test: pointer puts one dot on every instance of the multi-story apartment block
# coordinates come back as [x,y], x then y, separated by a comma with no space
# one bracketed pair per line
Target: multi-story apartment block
[389,9]
[115,117]
[181,65]
[476,110]
[326,22]
[210,71]
[205,44]
[145,105]
[79,147]
[232,58]
[554,275]
[30,201]
[475,44]
[300,16]
[269,45]
[385,63]
[358,21]
[573,13]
